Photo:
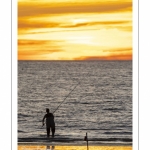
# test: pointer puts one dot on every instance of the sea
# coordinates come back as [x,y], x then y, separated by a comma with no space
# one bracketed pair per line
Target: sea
[92,98]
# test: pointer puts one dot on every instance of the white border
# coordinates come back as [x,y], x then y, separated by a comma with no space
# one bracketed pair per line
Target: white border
[144,75]
[135,70]
[14,73]
[5,74]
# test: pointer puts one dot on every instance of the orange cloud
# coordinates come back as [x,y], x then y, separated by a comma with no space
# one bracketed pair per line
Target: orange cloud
[125,28]
[36,49]
[126,49]
[109,57]
[23,23]
[37,52]
[30,54]
[32,24]
[34,9]
[114,54]
[24,42]
[95,23]
[31,42]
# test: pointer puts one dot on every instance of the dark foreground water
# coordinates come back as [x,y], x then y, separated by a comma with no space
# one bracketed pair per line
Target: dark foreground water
[100,104]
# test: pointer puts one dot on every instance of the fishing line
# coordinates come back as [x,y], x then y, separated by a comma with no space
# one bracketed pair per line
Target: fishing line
[58,85]
[67,96]
[80,98]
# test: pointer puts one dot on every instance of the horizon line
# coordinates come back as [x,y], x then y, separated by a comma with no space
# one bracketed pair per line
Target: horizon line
[75,60]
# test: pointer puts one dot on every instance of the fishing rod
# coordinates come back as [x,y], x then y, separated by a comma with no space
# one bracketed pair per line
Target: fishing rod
[63,101]
[66,97]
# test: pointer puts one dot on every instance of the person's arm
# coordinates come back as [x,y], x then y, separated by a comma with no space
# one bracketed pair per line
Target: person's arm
[53,116]
[43,119]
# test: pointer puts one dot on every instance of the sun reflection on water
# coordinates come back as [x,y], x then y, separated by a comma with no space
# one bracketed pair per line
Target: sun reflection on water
[37,147]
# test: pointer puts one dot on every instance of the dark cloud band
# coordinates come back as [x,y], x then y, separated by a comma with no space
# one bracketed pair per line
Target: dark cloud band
[34,10]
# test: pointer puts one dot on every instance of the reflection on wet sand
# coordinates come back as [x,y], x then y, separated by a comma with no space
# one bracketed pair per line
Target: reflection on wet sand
[38,147]
[50,148]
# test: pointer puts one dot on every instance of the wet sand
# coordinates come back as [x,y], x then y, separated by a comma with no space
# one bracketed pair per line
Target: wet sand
[52,147]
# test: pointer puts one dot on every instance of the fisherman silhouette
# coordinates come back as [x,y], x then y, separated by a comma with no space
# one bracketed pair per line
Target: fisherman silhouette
[50,124]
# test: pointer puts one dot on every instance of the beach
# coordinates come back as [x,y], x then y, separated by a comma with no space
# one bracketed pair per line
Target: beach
[50,147]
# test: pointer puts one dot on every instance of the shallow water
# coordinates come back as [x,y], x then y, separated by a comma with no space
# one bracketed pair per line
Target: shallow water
[101,103]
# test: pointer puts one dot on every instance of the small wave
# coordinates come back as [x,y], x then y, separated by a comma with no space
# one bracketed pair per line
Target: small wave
[113,109]
[112,139]
[20,131]
[90,129]
[85,103]
[117,133]
[22,115]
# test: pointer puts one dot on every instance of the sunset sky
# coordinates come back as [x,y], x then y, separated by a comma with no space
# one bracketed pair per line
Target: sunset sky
[74,30]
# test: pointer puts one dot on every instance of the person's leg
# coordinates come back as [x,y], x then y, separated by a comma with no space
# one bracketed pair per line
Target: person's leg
[53,131]
[48,132]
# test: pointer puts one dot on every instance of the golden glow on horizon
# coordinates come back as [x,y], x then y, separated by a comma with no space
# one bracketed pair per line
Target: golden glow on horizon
[71,30]
[28,147]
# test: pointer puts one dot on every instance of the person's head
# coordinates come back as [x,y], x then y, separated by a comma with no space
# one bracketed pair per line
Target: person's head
[47,110]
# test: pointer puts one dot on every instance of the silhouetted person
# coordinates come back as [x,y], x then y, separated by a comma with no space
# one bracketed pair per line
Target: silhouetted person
[50,124]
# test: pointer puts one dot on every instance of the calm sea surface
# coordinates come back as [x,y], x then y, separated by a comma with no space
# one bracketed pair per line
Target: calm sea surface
[100,104]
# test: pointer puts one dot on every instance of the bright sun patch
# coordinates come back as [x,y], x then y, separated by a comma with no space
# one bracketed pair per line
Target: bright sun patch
[77,21]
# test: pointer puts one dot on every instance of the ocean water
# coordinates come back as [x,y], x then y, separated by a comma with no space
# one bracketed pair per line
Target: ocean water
[99,103]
